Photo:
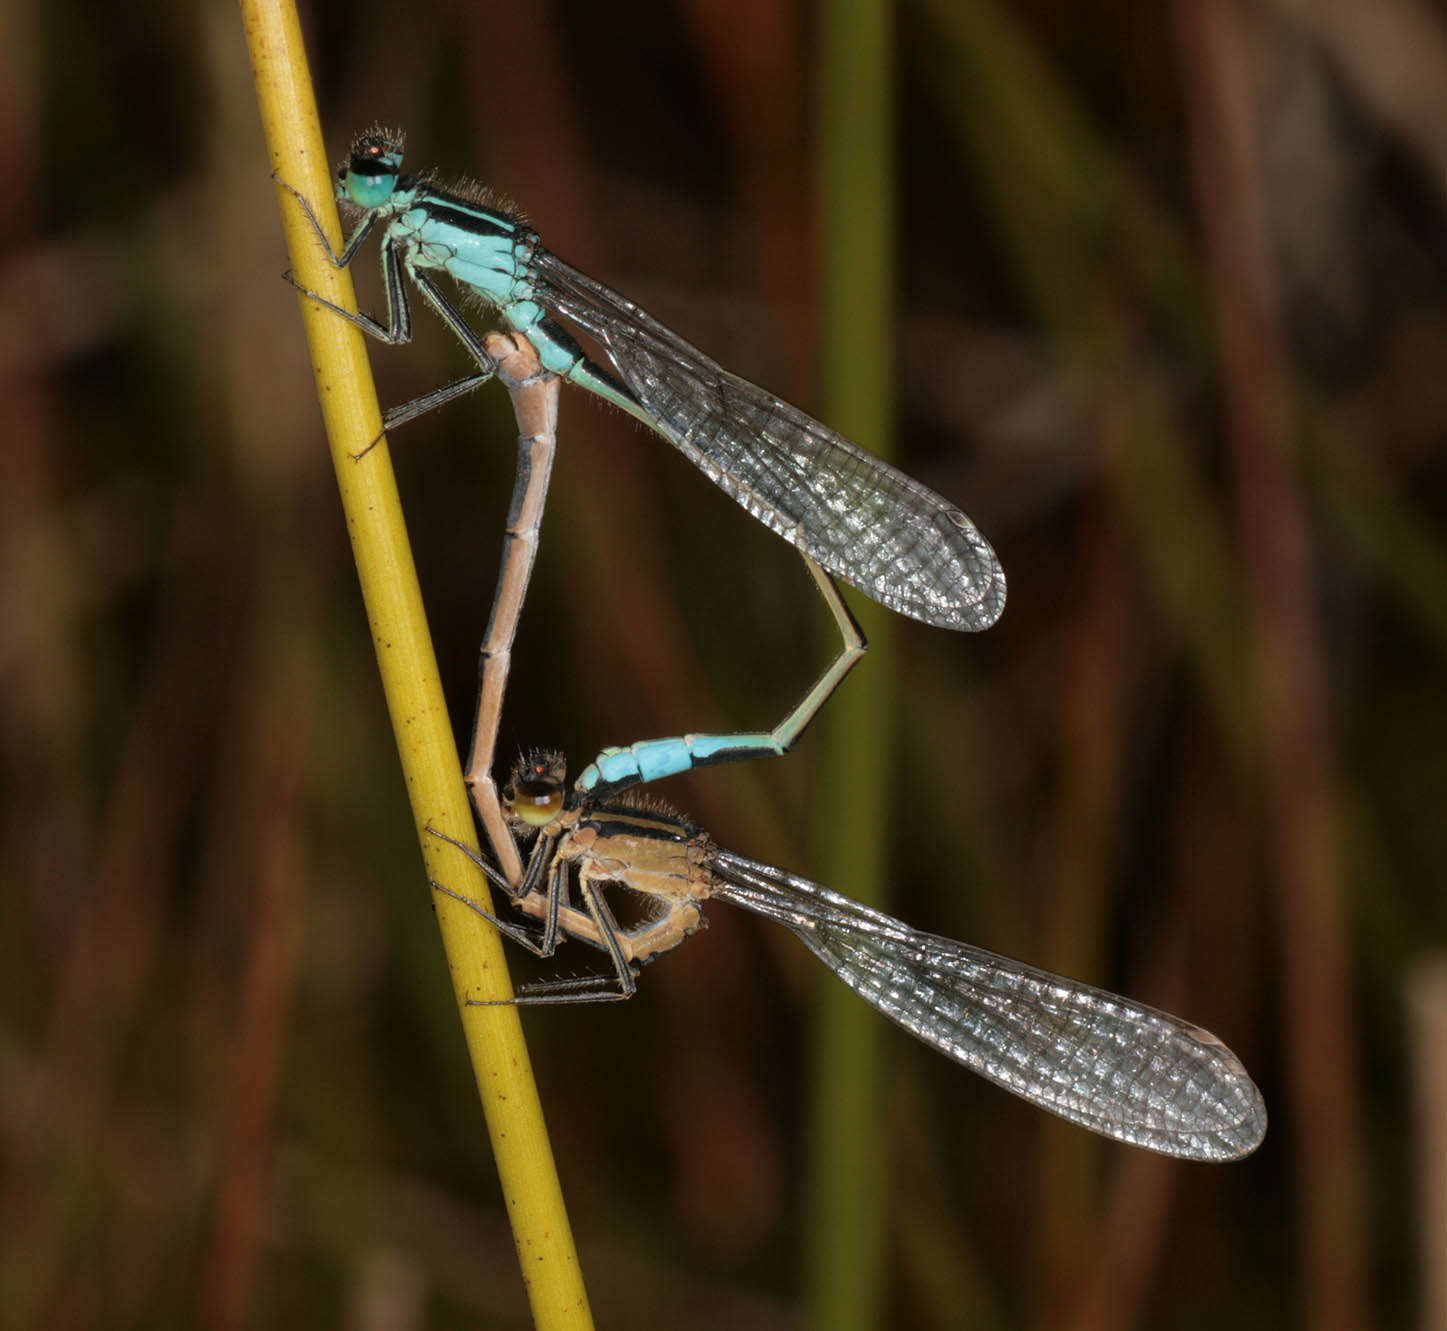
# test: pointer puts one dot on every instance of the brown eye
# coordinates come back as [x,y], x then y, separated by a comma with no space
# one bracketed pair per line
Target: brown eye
[537,803]
[535,791]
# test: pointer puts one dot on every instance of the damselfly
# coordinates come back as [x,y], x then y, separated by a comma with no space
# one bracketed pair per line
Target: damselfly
[861,519]
[1111,1065]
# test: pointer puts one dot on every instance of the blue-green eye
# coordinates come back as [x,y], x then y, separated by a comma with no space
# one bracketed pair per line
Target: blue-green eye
[371,175]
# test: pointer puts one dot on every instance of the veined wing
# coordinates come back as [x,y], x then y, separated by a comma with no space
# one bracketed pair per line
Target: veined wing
[893,538]
[1114,1066]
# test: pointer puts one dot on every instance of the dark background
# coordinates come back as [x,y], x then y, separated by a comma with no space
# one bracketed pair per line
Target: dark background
[1200,761]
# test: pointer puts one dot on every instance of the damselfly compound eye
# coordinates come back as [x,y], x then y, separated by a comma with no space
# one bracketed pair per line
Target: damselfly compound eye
[535,792]
[371,175]
[536,803]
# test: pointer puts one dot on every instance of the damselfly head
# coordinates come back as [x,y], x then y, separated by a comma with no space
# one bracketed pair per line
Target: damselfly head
[535,790]
[370,174]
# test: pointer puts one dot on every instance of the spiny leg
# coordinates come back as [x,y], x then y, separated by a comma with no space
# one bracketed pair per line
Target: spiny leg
[543,863]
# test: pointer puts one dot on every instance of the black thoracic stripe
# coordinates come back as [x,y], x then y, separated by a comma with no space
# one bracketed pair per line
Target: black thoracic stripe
[477,221]
[632,822]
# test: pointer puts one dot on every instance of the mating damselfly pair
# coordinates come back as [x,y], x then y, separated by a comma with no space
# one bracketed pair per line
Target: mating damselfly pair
[1114,1066]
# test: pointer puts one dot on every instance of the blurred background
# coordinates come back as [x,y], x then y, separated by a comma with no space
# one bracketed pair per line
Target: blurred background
[1171,299]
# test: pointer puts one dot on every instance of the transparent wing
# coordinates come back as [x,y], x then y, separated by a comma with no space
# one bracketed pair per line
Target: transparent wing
[1117,1067]
[893,538]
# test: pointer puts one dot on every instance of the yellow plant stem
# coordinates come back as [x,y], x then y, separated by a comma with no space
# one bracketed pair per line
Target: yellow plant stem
[409,675]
